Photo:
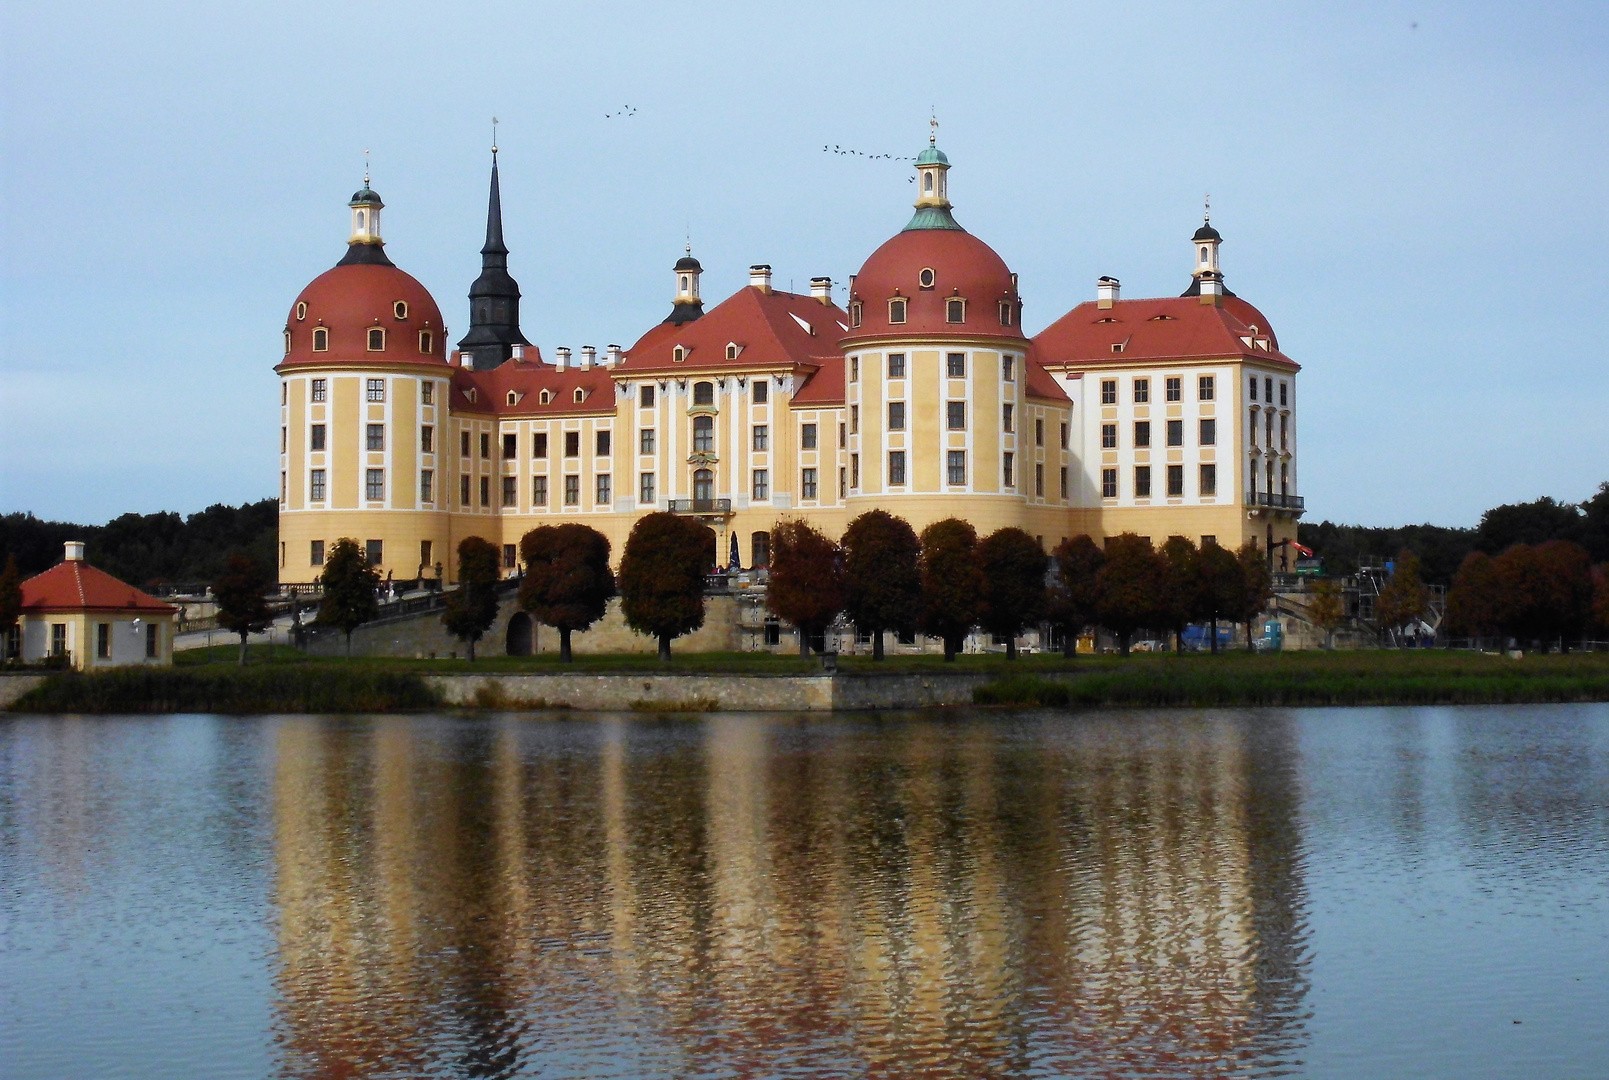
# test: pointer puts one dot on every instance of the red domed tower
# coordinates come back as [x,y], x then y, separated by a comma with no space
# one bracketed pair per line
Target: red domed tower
[364,386]
[947,414]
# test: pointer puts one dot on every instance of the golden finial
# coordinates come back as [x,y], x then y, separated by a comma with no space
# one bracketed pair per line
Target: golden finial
[933,124]
[365,168]
[494,138]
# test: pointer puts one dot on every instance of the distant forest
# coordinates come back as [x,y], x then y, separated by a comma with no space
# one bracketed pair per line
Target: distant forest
[150,549]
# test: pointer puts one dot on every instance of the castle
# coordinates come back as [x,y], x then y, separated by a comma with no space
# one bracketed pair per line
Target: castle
[1167,416]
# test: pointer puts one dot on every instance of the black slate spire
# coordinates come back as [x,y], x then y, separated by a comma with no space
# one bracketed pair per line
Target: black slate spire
[494,298]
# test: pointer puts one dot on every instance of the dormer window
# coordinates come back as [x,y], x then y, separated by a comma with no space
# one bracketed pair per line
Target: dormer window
[955,310]
[580,395]
[1117,346]
[321,339]
[426,341]
[678,354]
[896,311]
[1005,313]
[925,278]
[376,339]
[732,349]
[400,309]
[545,397]
[513,398]
[301,311]
[854,313]
[287,340]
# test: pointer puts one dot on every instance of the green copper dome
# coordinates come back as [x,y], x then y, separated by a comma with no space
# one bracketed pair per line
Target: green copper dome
[932,156]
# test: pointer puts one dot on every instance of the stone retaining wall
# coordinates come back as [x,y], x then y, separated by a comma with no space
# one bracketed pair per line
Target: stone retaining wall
[12,687]
[698,693]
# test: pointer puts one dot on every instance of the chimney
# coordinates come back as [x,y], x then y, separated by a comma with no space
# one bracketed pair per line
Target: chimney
[821,289]
[75,550]
[760,277]
[519,354]
[562,353]
[589,356]
[1212,288]
[612,357]
[1106,292]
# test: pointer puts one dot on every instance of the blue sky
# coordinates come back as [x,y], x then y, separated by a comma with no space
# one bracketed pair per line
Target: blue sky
[1414,194]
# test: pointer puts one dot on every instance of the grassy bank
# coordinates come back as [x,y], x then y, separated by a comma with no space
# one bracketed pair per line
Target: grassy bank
[300,688]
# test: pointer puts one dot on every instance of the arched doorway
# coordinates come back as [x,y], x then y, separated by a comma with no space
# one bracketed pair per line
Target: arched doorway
[521,635]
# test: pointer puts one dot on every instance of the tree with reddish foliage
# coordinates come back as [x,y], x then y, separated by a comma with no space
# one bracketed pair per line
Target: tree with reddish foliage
[1404,599]
[952,582]
[568,583]
[1256,587]
[239,593]
[1182,600]
[1566,601]
[806,585]
[1132,586]
[10,604]
[1600,600]
[1072,602]
[882,575]
[1220,587]
[471,609]
[662,575]
[1474,602]
[1014,567]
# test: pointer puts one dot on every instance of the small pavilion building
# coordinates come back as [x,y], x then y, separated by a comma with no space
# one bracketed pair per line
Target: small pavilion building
[92,618]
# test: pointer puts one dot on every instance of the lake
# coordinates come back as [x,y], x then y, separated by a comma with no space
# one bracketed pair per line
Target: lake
[1313,892]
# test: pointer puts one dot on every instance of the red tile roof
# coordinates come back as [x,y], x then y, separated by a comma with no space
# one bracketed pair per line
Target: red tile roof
[771,329]
[963,267]
[75,585]
[347,301]
[527,379]
[824,385]
[1169,328]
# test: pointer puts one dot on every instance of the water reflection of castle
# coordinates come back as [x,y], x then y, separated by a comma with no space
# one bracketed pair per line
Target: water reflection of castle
[902,900]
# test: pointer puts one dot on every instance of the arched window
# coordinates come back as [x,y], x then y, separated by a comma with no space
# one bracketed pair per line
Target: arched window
[376,339]
[703,393]
[926,277]
[545,396]
[321,339]
[927,183]
[1203,253]
[896,311]
[1005,313]
[360,221]
[854,313]
[400,309]
[287,340]
[580,395]
[426,341]
[704,433]
[731,352]
[703,483]
[684,283]
[955,310]
[678,354]
[513,398]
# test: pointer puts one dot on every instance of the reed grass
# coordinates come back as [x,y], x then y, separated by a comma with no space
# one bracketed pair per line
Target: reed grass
[288,688]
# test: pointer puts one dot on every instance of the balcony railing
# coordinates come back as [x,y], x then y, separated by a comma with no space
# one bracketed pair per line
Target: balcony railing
[699,506]
[1276,502]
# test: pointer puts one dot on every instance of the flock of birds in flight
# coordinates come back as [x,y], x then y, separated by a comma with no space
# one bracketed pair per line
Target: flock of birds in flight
[842,151]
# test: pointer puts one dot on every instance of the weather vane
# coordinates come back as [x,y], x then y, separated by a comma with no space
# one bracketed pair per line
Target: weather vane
[494,136]
[933,122]
[1206,208]
[365,167]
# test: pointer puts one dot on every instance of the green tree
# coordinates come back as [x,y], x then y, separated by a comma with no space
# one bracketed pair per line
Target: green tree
[471,609]
[1014,568]
[349,586]
[952,582]
[1404,599]
[1182,599]
[1072,602]
[1600,601]
[1132,586]
[10,604]
[1256,587]
[1474,603]
[1326,610]
[806,582]
[1221,587]
[882,575]
[1532,523]
[238,592]
[568,583]
[662,577]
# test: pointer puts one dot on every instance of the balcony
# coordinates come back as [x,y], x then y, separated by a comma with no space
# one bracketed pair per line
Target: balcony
[702,507]
[1275,502]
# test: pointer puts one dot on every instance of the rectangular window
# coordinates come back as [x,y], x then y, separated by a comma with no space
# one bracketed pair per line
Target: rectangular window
[1064,481]
[896,467]
[1142,433]
[896,311]
[375,389]
[645,441]
[1008,368]
[539,445]
[539,491]
[374,437]
[510,556]
[1108,436]
[807,484]
[486,491]
[427,485]
[424,555]
[103,640]
[955,311]
[841,441]
[1206,386]
[843,486]
[1209,480]
[1108,391]
[427,393]
[1284,433]
[1039,432]
[284,438]
[572,491]
[854,369]
[956,364]
[761,437]
[315,486]
[321,390]
[463,490]
[463,444]
[511,494]
[1142,391]
[1173,388]
[511,446]
[1175,432]
[896,365]
[956,415]
[896,416]
[645,396]
[1175,481]
[605,489]
[486,446]
[152,640]
[1251,427]
[572,444]
[1064,436]
[374,484]
[315,553]
[807,437]
[1007,471]
[1253,390]
[1209,432]
[957,466]
[645,488]
[427,438]
[854,419]
[762,390]
[374,551]
[762,485]
[854,471]
[1007,414]
[1142,481]
[1108,483]
[1268,390]
[603,443]
[317,437]
[1039,480]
